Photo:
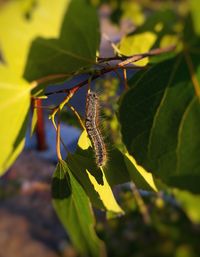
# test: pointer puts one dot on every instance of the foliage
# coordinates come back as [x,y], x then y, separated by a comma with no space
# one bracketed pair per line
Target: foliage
[157,110]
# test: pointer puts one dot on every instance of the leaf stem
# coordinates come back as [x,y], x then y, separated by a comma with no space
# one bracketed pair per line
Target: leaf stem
[194,79]
[125,79]
[58,139]
[77,115]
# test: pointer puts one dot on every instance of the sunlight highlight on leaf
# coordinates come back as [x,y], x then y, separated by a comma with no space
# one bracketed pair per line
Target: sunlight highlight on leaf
[136,44]
[105,194]
[22,31]
[84,141]
[147,176]
[14,106]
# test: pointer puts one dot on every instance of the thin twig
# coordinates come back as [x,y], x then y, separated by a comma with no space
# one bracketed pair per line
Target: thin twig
[111,43]
[194,78]
[58,139]
[120,65]
[137,57]
[77,115]
[125,79]
[141,205]
[118,75]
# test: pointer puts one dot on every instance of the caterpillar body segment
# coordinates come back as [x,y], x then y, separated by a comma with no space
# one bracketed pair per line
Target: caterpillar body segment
[93,130]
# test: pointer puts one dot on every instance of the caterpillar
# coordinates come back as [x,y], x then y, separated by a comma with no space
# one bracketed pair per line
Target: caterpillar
[92,128]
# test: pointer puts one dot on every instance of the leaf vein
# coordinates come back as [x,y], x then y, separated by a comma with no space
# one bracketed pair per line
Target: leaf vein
[174,69]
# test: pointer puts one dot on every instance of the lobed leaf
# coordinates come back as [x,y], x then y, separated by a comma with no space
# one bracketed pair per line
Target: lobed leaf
[73,49]
[14,107]
[28,21]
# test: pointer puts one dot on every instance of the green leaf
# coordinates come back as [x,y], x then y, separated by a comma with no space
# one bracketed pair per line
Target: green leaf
[74,211]
[161,23]
[113,173]
[129,10]
[161,29]
[75,47]
[92,178]
[14,106]
[190,203]
[34,119]
[160,120]
[195,10]
[136,44]
[30,20]
[141,178]
[133,11]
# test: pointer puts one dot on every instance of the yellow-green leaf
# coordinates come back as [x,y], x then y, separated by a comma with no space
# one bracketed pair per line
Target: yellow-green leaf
[137,44]
[17,32]
[74,211]
[33,121]
[92,179]
[142,178]
[190,203]
[14,106]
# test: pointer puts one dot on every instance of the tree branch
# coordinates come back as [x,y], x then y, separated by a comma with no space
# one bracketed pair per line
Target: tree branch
[121,65]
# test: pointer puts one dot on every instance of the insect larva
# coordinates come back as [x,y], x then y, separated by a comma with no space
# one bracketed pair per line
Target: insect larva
[92,127]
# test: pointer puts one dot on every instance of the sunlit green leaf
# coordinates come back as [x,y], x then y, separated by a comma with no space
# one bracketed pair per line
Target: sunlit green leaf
[190,203]
[136,44]
[195,10]
[75,47]
[92,178]
[113,174]
[160,117]
[14,106]
[73,208]
[33,120]
[133,11]
[141,178]
[161,23]
[21,22]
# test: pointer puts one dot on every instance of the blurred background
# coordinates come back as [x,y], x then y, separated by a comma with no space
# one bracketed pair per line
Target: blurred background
[28,224]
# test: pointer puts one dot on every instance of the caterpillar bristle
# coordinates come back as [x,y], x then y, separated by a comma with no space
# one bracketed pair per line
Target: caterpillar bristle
[93,128]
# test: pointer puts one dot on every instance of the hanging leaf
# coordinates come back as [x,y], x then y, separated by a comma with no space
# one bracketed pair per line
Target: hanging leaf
[92,178]
[160,119]
[74,211]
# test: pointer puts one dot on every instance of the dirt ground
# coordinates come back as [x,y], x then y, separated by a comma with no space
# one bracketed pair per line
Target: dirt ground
[28,224]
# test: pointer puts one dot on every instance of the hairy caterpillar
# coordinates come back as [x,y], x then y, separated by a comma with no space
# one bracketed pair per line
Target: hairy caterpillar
[92,128]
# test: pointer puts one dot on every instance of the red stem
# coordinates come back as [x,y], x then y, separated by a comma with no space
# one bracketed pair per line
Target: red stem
[40,128]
